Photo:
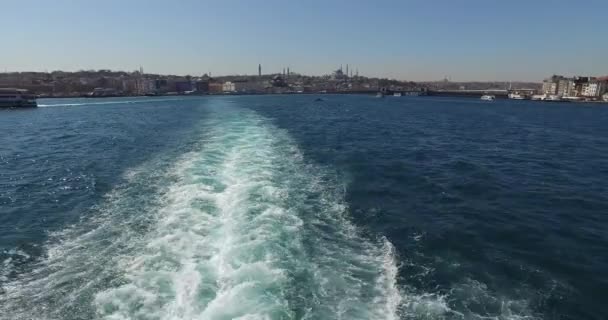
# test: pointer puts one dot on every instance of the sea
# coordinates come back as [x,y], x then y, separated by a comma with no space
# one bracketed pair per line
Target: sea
[303,207]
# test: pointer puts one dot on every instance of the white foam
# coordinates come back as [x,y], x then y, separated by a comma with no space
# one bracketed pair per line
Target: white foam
[96,102]
[239,228]
[387,282]
[496,306]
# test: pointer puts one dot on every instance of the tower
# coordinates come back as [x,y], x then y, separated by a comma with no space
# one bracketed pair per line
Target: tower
[287,71]
[259,70]
[347,69]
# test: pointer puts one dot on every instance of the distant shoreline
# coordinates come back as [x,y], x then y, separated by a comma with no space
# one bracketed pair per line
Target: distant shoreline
[388,95]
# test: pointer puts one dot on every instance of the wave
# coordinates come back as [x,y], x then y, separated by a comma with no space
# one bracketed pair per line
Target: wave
[242,227]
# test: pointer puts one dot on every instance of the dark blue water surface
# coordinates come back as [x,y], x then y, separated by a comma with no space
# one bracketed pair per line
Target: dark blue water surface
[494,210]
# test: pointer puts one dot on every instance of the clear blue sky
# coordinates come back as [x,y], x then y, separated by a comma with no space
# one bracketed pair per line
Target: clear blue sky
[410,40]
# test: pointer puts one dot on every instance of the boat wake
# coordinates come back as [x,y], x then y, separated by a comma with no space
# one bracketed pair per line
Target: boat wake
[241,227]
[118,102]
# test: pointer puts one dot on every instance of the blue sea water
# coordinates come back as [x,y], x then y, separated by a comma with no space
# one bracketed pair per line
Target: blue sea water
[283,207]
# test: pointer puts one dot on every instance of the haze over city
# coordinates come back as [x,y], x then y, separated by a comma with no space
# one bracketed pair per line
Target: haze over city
[406,40]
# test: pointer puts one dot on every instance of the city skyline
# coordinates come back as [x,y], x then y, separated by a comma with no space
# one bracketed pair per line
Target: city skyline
[468,41]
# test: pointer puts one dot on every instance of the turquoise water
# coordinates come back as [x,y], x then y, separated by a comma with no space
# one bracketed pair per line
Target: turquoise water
[285,208]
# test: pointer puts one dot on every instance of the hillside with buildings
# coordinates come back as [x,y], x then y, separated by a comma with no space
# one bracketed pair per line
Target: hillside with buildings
[99,83]
[589,88]
[106,83]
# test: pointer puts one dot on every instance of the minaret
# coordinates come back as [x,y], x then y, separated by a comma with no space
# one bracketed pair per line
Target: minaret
[260,70]
[347,69]
[288,72]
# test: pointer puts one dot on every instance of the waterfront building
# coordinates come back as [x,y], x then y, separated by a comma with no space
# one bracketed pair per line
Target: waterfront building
[575,87]
[579,83]
[278,81]
[244,86]
[228,86]
[127,85]
[144,86]
[566,87]
[161,85]
[593,88]
[216,87]
[183,86]
[202,86]
[551,85]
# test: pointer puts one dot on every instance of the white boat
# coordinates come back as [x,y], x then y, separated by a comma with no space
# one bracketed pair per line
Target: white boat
[379,95]
[488,97]
[547,97]
[397,94]
[16,98]
[516,96]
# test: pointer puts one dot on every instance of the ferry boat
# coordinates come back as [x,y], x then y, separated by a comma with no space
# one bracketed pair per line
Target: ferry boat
[488,97]
[516,96]
[415,93]
[547,97]
[16,98]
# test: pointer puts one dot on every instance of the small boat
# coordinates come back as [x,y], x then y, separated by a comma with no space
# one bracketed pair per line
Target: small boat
[319,100]
[397,94]
[554,98]
[17,98]
[516,96]
[547,97]
[379,95]
[488,97]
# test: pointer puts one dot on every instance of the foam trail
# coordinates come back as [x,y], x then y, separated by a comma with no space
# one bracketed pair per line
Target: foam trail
[105,102]
[239,228]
